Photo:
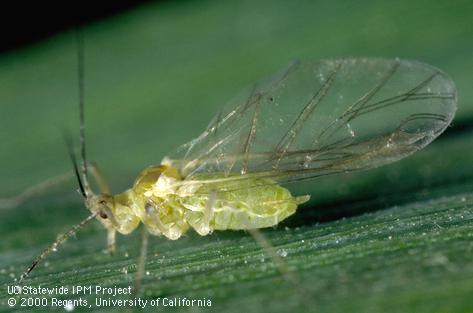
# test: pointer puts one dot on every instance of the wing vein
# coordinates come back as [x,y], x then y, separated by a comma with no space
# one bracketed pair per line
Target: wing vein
[291,134]
[361,102]
[250,138]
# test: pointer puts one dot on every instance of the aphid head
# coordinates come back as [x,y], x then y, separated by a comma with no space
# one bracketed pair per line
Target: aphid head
[114,212]
[102,205]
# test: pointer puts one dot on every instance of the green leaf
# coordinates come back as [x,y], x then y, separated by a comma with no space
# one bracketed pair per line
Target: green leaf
[393,239]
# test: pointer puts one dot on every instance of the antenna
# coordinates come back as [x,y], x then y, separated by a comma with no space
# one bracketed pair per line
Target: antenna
[70,150]
[60,240]
[81,90]
[83,183]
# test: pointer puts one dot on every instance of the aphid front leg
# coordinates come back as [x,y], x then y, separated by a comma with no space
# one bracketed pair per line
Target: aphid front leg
[99,178]
[35,190]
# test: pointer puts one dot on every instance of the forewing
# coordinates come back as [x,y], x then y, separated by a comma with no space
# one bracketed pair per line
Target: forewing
[314,119]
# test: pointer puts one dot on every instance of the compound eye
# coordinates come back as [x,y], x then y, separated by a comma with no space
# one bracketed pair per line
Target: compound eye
[103,215]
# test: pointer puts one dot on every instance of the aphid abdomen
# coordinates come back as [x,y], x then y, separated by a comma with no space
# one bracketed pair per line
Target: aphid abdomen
[246,204]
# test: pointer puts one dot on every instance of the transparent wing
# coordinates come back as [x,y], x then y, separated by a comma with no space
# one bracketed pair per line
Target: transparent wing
[314,119]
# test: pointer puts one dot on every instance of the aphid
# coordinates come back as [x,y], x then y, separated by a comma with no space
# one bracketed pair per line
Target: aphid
[309,120]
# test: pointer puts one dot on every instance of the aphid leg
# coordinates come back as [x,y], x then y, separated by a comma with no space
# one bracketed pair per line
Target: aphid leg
[99,178]
[269,249]
[60,240]
[302,293]
[35,190]
[208,213]
[111,246]
[141,262]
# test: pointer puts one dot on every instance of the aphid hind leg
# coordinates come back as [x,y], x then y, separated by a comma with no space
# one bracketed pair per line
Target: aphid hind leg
[270,250]
[35,190]
[302,293]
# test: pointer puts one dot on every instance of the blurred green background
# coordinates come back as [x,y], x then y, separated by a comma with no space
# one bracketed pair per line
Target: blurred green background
[155,76]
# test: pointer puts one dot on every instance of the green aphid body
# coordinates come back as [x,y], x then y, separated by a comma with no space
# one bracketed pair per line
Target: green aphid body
[167,205]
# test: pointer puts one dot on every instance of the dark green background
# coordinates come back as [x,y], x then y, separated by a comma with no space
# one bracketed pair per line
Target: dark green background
[394,239]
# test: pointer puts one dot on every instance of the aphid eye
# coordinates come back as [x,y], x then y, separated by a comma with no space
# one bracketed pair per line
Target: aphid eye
[103,215]
[102,202]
